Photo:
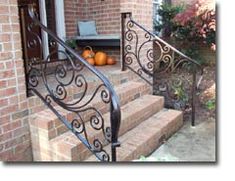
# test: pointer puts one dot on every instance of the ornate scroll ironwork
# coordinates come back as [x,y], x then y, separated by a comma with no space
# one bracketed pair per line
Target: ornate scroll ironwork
[85,119]
[170,72]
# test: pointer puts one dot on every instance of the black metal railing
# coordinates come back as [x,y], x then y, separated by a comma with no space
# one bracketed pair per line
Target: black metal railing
[57,93]
[171,73]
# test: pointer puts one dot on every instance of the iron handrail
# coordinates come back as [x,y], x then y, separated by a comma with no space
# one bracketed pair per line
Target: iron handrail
[155,38]
[171,47]
[115,112]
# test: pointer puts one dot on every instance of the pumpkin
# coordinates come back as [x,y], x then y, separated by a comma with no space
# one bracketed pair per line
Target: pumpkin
[88,52]
[90,61]
[111,61]
[100,58]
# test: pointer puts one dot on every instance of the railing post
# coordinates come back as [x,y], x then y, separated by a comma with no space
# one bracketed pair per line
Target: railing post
[114,131]
[123,20]
[193,97]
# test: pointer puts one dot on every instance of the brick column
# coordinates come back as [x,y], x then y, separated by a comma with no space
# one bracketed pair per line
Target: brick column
[14,131]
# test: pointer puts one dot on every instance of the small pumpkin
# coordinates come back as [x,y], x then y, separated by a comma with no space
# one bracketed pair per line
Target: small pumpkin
[88,52]
[100,58]
[111,61]
[90,61]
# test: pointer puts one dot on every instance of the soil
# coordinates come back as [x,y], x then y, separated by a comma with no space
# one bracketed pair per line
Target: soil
[194,144]
[206,93]
[207,90]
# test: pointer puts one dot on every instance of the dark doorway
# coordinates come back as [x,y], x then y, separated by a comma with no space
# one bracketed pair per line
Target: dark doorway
[32,49]
[32,36]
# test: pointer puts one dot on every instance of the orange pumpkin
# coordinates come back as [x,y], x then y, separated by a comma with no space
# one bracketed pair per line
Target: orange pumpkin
[88,52]
[100,58]
[91,61]
[111,61]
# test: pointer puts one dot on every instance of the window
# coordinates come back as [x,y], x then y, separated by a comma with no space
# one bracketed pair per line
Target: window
[156,18]
[156,6]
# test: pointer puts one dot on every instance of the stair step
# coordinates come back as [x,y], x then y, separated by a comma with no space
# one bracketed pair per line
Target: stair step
[147,136]
[116,77]
[70,148]
[49,125]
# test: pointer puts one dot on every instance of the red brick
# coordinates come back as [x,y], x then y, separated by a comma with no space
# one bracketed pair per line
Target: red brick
[9,144]
[6,155]
[4,9]
[8,110]
[21,148]
[13,2]
[14,10]
[20,131]
[11,82]
[13,100]
[6,56]
[10,64]
[2,65]
[3,84]
[7,74]
[6,136]
[5,37]
[4,19]
[6,28]
[11,126]
[3,102]
[3,1]
[4,119]
[7,92]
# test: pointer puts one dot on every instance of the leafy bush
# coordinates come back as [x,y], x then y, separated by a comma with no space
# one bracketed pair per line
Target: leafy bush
[196,27]
[167,25]
[210,105]
[189,28]
[71,43]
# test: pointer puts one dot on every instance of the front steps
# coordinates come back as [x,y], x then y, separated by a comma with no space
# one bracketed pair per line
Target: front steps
[145,125]
[147,136]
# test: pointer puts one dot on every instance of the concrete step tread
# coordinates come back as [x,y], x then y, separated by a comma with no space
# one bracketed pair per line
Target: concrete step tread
[133,114]
[147,136]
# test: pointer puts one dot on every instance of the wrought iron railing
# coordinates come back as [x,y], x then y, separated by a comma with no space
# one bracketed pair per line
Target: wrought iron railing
[170,72]
[57,92]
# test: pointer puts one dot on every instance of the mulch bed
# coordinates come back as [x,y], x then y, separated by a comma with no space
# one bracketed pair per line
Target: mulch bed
[207,92]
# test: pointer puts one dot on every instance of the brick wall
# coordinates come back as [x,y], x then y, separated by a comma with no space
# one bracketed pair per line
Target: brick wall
[141,9]
[14,131]
[107,15]
[74,10]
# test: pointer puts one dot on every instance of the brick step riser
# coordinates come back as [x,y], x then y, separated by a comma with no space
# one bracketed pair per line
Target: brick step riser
[155,141]
[36,105]
[55,127]
[144,145]
[80,153]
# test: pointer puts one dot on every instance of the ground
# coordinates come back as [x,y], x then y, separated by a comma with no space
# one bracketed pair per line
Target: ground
[194,143]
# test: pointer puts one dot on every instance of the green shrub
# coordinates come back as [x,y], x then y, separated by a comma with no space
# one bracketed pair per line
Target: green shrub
[188,28]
